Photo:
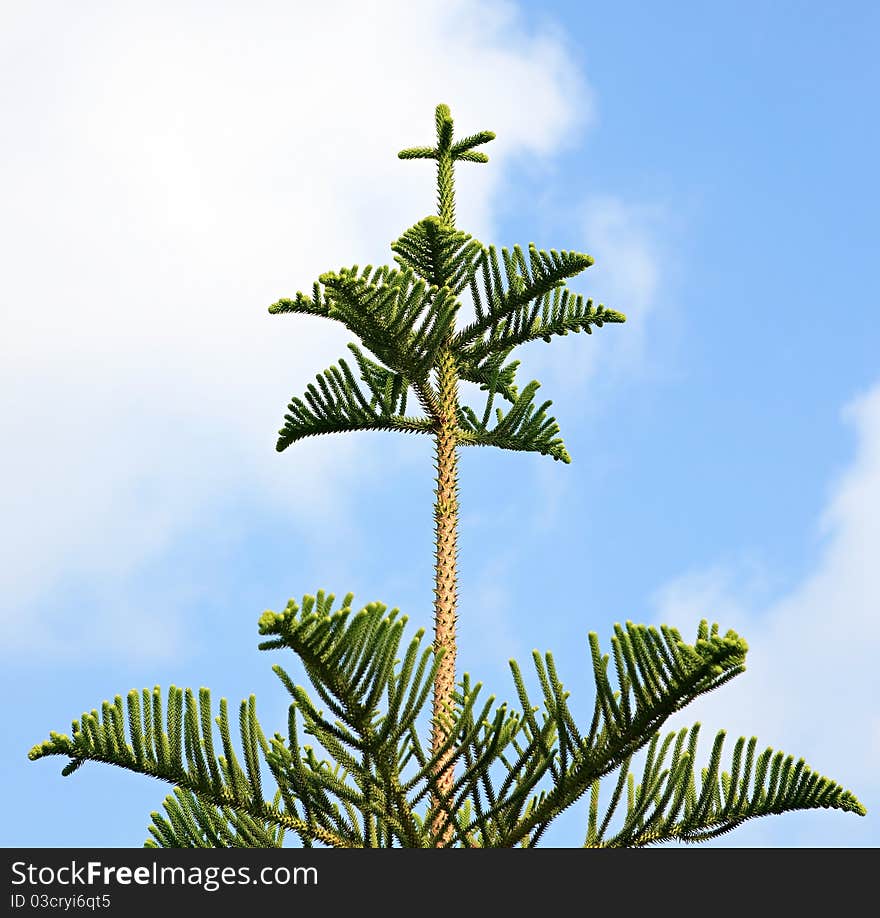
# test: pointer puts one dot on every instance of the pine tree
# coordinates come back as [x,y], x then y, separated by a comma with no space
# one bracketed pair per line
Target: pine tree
[493,775]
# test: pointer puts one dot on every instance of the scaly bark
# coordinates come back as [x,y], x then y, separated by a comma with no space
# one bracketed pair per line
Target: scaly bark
[445,509]
[446,573]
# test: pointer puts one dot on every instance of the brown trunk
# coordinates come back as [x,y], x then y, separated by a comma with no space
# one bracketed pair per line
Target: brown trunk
[445,589]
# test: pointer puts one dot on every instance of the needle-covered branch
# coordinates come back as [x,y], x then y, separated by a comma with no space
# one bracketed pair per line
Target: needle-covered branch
[337,403]
[367,780]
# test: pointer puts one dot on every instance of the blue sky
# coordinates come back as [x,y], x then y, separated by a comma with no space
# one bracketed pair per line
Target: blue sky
[168,172]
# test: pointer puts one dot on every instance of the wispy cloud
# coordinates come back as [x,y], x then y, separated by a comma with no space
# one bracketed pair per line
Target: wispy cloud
[812,686]
[633,273]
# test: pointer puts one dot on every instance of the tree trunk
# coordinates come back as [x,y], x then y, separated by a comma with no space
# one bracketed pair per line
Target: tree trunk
[446,574]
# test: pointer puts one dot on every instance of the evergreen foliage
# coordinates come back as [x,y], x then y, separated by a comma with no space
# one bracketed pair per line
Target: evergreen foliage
[520,765]
[352,768]
[406,318]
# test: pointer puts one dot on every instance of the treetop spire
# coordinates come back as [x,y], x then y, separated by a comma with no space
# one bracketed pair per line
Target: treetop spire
[446,153]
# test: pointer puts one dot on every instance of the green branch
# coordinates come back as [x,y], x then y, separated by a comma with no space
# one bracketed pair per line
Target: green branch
[524,427]
[498,300]
[336,403]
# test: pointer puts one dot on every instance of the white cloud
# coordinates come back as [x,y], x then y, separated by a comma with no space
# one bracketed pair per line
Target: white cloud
[167,172]
[626,239]
[812,686]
